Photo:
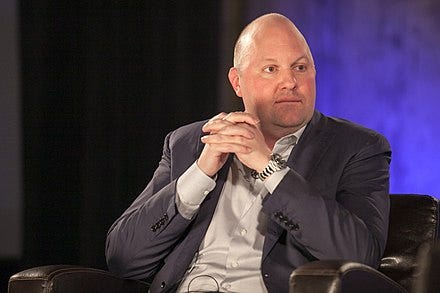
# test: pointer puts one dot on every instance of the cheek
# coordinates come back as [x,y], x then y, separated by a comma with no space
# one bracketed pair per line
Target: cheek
[256,104]
[257,94]
[309,90]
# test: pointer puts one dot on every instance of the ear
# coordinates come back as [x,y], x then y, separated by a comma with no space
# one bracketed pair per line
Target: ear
[234,79]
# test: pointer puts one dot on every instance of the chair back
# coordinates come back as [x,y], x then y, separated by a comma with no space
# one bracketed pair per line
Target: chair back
[414,221]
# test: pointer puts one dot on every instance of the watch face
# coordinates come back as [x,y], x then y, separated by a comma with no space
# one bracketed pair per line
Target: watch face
[281,163]
[276,163]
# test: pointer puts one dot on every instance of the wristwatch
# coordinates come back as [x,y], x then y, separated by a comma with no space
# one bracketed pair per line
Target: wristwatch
[276,163]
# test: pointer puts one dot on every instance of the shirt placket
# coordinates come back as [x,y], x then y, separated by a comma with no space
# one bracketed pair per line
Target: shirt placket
[243,237]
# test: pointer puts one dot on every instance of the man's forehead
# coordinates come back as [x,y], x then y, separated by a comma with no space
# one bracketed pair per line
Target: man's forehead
[278,36]
[270,33]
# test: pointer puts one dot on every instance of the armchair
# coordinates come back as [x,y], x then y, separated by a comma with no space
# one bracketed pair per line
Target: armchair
[413,224]
[413,227]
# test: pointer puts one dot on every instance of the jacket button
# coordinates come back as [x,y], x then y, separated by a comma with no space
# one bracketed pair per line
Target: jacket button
[162,285]
[294,227]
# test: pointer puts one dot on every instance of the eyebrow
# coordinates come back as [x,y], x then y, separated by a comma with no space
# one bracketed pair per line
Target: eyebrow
[300,58]
[295,61]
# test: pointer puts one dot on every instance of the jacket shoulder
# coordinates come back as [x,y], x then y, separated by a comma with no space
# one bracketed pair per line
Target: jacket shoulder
[356,134]
[352,133]
[187,133]
[184,142]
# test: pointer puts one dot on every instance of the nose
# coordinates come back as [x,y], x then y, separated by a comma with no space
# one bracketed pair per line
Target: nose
[288,79]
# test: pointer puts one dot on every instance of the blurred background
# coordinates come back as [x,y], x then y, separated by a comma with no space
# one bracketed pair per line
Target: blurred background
[89,89]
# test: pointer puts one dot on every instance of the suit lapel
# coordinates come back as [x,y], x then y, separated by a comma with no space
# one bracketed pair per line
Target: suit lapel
[312,146]
[304,159]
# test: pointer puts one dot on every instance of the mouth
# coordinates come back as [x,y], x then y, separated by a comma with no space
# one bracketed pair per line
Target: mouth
[288,98]
[288,101]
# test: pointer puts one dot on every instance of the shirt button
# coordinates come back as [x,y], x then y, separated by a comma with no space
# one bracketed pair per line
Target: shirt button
[266,275]
[226,286]
[243,232]
[206,192]
[234,264]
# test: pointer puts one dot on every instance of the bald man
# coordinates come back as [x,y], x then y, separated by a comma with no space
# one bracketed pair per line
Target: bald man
[241,200]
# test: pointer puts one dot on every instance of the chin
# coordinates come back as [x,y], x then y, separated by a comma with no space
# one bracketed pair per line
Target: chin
[289,122]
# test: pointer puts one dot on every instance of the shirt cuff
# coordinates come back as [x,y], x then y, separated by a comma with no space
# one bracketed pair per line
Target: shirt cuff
[192,188]
[273,180]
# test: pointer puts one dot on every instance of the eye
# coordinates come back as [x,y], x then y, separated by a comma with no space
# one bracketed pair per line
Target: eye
[270,69]
[300,68]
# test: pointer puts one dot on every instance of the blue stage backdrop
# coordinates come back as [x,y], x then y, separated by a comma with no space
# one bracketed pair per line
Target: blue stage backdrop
[378,64]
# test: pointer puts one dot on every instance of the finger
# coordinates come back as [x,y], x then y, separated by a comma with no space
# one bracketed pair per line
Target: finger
[215,125]
[226,139]
[226,147]
[239,117]
[227,128]
[218,117]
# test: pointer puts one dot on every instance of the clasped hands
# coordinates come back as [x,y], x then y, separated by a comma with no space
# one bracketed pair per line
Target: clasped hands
[238,133]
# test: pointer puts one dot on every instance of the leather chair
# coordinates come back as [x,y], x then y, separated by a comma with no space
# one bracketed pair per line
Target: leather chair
[429,270]
[413,224]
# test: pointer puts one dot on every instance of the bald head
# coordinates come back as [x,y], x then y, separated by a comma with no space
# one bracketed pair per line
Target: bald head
[246,40]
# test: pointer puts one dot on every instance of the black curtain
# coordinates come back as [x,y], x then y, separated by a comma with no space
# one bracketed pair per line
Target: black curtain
[102,84]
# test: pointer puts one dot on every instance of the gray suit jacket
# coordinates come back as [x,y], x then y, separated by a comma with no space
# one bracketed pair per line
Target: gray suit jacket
[332,204]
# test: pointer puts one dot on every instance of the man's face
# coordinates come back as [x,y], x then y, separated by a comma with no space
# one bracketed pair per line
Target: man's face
[277,81]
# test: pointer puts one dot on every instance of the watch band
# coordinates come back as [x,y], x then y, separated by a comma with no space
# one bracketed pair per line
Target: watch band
[276,163]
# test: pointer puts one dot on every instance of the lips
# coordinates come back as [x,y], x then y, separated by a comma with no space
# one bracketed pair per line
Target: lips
[288,97]
[293,100]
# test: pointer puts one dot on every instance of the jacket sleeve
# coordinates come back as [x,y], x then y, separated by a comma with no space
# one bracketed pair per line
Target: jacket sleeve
[146,232]
[346,217]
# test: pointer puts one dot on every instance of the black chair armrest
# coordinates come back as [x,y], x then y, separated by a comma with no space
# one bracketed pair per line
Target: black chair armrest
[67,278]
[333,276]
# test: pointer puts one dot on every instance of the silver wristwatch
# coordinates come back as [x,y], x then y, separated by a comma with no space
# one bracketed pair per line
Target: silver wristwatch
[276,163]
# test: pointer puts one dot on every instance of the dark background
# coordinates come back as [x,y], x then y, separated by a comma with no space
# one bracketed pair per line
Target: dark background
[102,83]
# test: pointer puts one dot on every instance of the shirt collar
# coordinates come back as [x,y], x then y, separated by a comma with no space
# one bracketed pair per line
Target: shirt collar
[288,141]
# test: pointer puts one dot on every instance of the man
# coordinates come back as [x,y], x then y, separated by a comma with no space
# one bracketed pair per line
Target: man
[238,202]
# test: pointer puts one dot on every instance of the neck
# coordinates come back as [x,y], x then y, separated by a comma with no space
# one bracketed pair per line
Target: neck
[271,138]
[272,135]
